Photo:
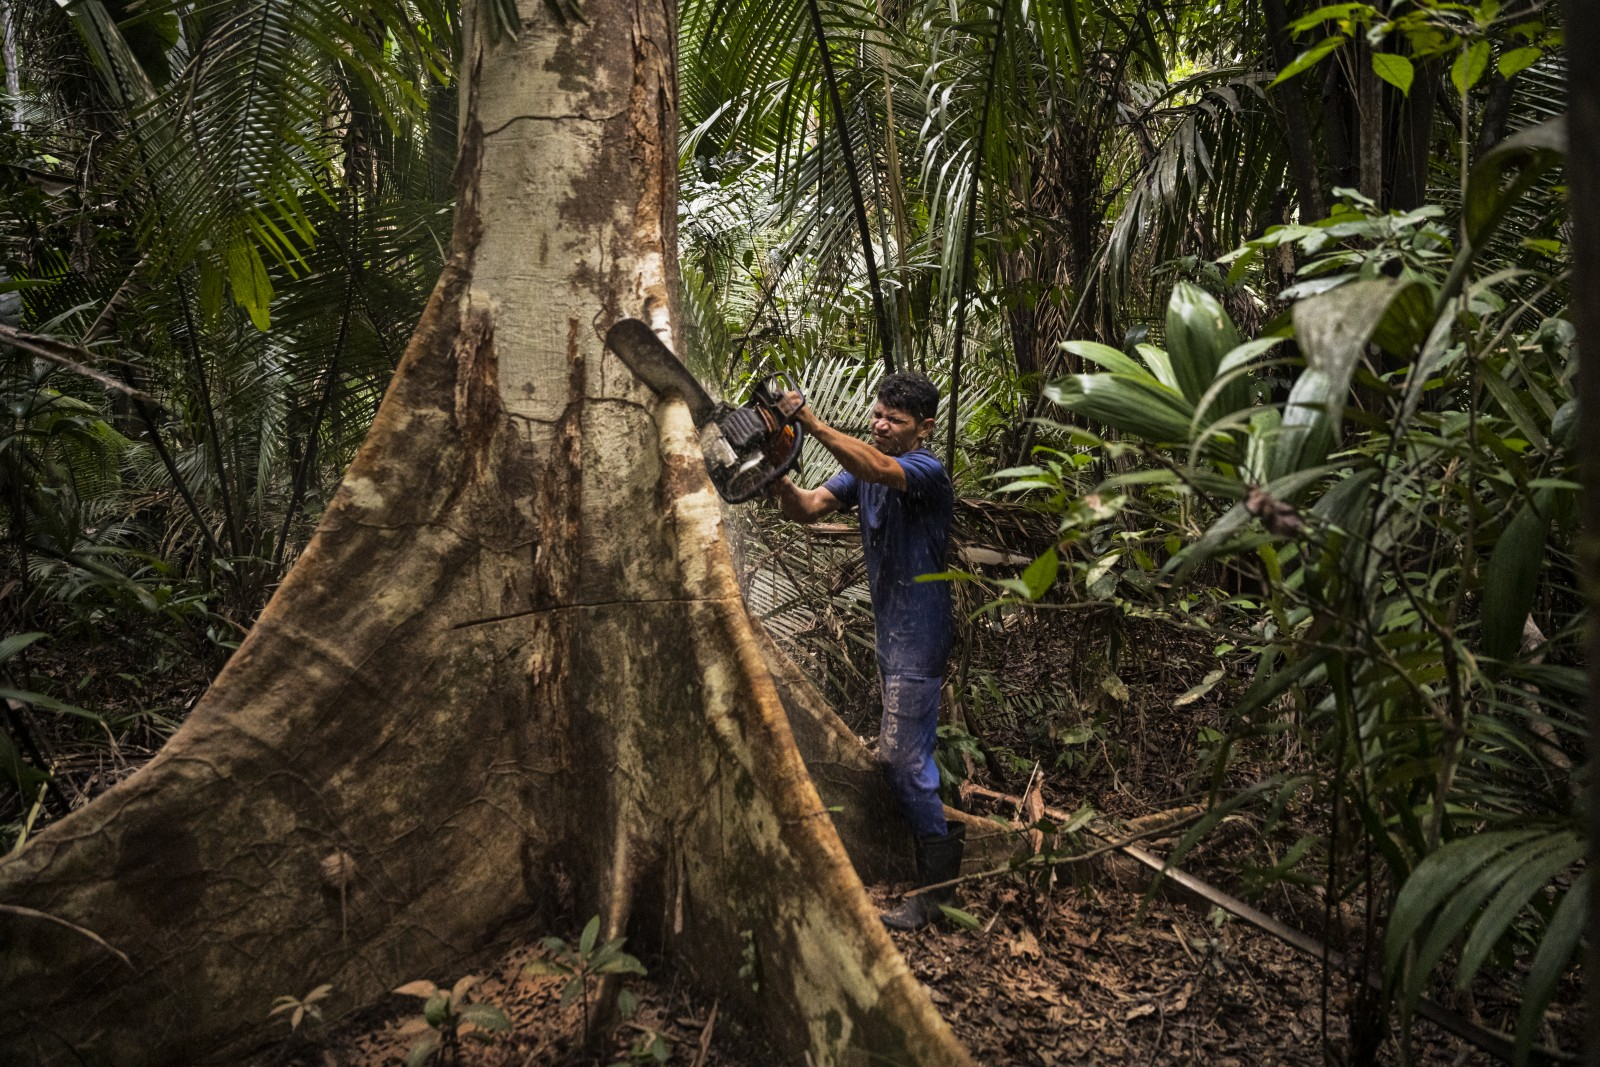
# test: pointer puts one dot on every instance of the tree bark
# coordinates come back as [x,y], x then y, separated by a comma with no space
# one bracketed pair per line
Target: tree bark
[1343,165]
[8,56]
[1291,104]
[1369,123]
[1583,182]
[1414,139]
[510,677]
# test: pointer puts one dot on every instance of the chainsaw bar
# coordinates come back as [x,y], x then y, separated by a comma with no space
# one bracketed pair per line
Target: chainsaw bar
[656,365]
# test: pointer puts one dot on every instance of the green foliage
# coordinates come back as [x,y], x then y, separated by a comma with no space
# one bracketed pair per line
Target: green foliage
[1428,29]
[297,1010]
[252,208]
[1404,507]
[448,1015]
[584,962]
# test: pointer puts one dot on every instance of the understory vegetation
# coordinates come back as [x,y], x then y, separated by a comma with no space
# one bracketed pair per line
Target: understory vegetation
[1251,322]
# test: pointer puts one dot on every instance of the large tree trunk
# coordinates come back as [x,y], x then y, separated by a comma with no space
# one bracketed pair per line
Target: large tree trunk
[512,665]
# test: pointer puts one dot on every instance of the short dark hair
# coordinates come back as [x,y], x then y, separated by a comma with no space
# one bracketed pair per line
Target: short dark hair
[910,392]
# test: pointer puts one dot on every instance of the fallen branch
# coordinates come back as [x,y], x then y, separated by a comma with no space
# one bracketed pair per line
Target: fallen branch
[1491,1041]
[705,1037]
[1047,859]
[65,355]
[30,913]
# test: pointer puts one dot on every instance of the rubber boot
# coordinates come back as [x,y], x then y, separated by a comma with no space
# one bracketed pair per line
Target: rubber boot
[938,860]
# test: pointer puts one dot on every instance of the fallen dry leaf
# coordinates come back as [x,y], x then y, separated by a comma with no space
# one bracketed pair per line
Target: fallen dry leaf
[1025,944]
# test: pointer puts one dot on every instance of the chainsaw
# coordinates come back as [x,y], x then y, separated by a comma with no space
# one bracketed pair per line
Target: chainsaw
[746,448]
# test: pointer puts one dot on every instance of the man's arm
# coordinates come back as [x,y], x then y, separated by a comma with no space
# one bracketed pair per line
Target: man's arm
[802,505]
[853,454]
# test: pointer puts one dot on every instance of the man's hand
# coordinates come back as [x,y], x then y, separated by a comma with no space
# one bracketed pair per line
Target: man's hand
[792,402]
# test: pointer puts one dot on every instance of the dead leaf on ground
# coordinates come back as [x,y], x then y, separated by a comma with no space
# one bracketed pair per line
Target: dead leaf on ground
[1025,944]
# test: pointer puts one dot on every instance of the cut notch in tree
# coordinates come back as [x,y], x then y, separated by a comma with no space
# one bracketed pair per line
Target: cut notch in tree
[513,659]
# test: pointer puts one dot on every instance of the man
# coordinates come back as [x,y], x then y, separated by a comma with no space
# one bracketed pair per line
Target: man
[905,500]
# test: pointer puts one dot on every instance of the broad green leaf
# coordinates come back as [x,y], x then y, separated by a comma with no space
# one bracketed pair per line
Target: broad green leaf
[1469,66]
[624,965]
[1327,13]
[1199,335]
[16,643]
[1160,365]
[1104,356]
[1518,59]
[1435,879]
[485,1017]
[1511,581]
[1332,330]
[252,288]
[420,988]
[1040,575]
[423,1050]
[1195,692]
[1564,424]
[544,967]
[1407,320]
[1235,519]
[462,987]
[1520,871]
[1562,938]
[591,934]
[1130,405]
[1394,69]
[1308,59]
[1530,879]
[1529,153]
[961,918]
[1345,505]
[1101,578]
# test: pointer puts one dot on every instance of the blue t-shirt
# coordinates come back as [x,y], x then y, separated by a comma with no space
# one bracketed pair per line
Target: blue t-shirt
[904,534]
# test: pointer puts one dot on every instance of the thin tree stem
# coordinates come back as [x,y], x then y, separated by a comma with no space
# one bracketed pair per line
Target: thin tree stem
[885,331]
[178,483]
[303,470]
[970,227]
[203,386]
[8,53]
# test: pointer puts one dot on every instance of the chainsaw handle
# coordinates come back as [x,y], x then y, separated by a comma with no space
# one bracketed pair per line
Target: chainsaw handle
[775,393]
[790,460]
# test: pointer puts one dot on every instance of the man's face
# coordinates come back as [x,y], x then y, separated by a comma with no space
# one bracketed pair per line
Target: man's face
[896,432]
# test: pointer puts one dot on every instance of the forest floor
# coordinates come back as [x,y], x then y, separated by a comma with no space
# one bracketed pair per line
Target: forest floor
[1092,970]
[1097,973]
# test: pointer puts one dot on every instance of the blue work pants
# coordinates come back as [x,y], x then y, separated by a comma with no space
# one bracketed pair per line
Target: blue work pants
[906,742]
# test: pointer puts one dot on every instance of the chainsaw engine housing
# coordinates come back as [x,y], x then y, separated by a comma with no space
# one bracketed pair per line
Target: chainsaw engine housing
[748,448]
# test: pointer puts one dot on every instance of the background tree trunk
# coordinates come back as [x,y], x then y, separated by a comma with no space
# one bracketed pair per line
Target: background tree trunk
[1583,181]
[512,667]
